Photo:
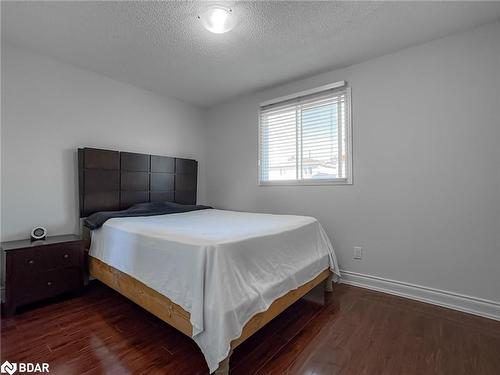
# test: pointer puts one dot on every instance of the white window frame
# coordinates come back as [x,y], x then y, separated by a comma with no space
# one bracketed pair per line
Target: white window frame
[348,180]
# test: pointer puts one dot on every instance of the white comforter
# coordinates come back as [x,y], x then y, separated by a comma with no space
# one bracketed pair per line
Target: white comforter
[221,266]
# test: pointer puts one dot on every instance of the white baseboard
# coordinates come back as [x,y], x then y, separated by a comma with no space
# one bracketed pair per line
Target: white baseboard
[456,301]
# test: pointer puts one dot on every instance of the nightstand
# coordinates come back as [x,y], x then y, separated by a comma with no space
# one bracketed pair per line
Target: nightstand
[38,270]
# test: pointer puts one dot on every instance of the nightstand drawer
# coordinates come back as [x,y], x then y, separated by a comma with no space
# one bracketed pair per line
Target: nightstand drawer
[27,261]
[60,256]
[47,284]
[59,281]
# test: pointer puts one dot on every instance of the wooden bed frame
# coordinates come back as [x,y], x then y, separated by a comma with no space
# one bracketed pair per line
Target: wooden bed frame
[175,316]
[113,180]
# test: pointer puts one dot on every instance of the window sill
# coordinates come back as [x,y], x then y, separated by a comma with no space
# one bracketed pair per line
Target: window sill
[306,182]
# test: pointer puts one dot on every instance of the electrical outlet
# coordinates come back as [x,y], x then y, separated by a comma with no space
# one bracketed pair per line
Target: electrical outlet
[358,252]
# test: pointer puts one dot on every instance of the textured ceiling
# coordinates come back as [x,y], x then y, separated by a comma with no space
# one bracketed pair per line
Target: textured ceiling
[161,46]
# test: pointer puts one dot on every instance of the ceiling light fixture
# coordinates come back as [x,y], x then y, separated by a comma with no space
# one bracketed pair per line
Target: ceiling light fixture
[217,19]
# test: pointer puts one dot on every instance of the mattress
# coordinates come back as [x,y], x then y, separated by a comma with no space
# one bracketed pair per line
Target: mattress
[223,267]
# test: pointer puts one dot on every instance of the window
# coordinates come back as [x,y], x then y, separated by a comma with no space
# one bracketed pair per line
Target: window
[306,138]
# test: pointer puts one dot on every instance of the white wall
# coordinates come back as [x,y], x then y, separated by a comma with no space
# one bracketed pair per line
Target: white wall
[425,203]
[49,110]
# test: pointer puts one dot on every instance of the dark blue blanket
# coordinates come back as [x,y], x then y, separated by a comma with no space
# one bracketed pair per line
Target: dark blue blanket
[96,220]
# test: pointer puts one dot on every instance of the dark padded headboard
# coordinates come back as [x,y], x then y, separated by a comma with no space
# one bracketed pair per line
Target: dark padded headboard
[113,180]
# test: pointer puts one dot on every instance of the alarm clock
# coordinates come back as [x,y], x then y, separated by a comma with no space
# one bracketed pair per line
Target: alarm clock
[38,233]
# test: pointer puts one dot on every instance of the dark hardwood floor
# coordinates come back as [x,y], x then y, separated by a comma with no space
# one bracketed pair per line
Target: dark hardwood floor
[357,332]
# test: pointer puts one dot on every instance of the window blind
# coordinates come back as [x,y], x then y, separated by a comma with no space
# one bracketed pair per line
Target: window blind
[305,139]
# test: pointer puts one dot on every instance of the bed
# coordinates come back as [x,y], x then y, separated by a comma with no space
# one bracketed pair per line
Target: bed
[217,276]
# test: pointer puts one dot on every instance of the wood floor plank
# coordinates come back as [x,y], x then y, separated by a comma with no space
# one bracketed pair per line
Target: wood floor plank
[357,332]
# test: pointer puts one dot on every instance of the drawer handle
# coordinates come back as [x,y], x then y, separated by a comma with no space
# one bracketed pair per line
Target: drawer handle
[65,256]
[49,283]
[31,261]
